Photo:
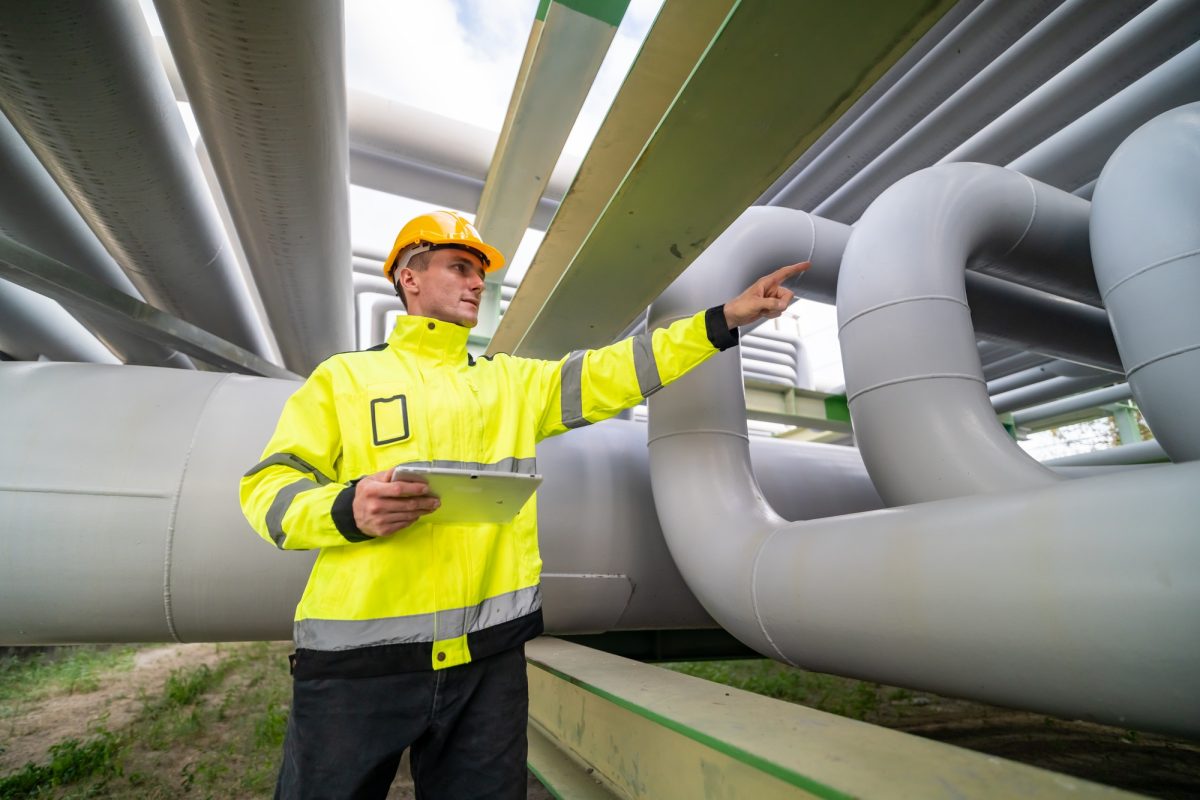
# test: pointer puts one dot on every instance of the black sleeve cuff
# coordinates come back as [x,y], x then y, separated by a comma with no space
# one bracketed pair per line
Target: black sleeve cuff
[720,335]
[343,515]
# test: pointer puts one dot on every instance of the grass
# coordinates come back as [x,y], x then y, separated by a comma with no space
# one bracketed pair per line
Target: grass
[71,670]
[842,696]
[210,731]
[70,761]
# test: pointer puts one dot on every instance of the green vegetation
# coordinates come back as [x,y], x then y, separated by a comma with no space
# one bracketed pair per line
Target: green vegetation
[843,696]
[70,761]
[210,730]
[70,670]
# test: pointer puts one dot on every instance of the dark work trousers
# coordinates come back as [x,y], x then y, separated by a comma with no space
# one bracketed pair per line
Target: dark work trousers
[465,725]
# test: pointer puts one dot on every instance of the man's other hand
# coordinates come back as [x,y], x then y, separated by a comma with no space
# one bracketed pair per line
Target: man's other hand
[383,506]
[765,299]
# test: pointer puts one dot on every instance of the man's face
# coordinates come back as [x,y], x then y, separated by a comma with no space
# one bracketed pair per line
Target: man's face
[449,288]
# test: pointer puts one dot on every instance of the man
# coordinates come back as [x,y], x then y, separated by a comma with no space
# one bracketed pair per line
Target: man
[410,633]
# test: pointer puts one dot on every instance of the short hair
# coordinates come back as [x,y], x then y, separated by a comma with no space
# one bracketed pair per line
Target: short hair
[418,263]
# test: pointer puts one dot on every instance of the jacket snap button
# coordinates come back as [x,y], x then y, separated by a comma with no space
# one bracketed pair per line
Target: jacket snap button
[441,656]
[431,326]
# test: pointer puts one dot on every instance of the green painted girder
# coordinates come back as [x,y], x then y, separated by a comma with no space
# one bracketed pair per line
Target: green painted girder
[774,78]
[605,726]
[676,41]
[799,407]
[70,287]
[565,50]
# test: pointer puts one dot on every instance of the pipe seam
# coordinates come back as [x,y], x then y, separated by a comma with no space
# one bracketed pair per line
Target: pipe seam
[812,237]
[651,440]
[762,548]
[93,492]
[1147,268]
[914,378]
[169,546]
[1177,351]
[1028,225]
[901,301]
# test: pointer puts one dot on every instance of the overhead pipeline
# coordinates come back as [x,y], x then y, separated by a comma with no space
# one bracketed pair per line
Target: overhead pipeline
[273,117]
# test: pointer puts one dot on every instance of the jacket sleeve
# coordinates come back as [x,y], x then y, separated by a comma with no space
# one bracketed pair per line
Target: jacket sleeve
[592,385]
[291,497]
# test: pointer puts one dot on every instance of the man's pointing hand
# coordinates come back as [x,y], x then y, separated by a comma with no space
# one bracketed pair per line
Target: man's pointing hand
[765,299]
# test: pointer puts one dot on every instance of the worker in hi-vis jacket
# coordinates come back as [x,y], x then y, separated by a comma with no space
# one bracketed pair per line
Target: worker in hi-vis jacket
[410,633]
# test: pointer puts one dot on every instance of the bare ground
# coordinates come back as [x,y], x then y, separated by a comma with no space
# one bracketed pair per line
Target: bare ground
[28,734]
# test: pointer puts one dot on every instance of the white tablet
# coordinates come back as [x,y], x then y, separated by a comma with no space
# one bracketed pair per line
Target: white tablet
[471,496]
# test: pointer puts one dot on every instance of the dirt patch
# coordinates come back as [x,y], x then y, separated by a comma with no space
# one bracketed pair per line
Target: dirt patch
[28,734]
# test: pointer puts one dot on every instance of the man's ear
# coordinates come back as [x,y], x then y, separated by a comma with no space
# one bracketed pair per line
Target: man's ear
[405,277]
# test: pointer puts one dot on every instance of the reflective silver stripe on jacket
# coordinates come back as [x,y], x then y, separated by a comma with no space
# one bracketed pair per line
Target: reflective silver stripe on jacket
[285,496]
[645,365]
[289,460]
[572,391]
[522,465]
[345,634]
[281,504]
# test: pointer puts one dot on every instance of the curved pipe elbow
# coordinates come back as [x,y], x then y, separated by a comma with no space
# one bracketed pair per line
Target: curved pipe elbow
[698,439]
[913,378]
[1146,244]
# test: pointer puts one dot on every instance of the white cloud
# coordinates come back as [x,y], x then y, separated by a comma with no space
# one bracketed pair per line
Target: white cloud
[459,59]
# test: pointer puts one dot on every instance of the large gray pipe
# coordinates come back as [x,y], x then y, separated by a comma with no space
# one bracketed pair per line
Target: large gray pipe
[921,412]
[266,81]
[1036,599]
[1146,240]
[417,153]
[131,531]
[1065,34]
[33,326]
[105,125]
[883,114]
[1075,154]
[1143,43]
[34,212]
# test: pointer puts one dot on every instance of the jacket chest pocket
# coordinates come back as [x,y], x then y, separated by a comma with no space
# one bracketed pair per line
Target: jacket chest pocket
[389,420]
[389,426]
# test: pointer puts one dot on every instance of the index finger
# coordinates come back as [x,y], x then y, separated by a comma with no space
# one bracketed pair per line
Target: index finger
[783,273]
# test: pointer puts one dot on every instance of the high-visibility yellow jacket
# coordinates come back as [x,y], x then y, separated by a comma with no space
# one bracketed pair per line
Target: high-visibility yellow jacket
[434,595]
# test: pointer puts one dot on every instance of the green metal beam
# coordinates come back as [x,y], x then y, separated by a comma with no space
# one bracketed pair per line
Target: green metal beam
[42,274]
[776,76]
[679,36]
[565,50]
[768,402]
[1125,416]
[634,730]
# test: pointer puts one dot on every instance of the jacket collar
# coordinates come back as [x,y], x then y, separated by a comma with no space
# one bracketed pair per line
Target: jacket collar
[432,339]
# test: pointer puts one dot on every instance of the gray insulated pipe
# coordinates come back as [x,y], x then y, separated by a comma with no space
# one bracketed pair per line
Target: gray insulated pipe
[1037,599]
[267,83]
[1146,243]
[82,84]
[34,212]
[917,395]
[122,524]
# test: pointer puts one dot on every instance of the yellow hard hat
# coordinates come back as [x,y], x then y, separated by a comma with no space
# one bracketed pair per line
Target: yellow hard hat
[441,228]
